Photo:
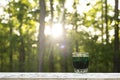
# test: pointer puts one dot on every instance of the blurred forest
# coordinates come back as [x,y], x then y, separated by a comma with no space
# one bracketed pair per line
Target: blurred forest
[40,35]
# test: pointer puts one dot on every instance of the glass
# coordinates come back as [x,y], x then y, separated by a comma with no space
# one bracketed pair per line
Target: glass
[80,62]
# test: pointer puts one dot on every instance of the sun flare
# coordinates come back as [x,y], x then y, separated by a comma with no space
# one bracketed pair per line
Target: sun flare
[56,30]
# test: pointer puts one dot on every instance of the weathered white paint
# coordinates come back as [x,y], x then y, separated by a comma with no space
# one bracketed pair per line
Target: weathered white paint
[59,76]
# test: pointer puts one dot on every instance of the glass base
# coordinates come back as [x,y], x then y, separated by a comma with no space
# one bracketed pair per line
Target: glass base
[80,70]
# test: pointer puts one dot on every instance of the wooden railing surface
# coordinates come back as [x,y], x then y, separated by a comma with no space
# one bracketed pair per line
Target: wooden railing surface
[59,76]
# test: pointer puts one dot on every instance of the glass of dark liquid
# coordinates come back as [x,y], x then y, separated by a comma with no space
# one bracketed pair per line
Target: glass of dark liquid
[80,62]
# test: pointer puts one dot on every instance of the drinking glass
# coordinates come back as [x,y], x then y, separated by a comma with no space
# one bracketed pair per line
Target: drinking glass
[80,62]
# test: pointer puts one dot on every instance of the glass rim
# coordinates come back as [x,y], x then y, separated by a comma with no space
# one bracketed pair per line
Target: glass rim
[80,54]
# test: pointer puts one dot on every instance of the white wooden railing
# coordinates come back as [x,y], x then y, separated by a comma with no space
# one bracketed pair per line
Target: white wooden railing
[59,76]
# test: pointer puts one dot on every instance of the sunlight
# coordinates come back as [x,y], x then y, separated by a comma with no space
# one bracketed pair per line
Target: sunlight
[56,31]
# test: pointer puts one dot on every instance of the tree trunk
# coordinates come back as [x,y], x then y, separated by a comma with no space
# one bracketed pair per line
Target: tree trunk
[64,41]
[11,41]
[106,21]
[41,36]
[11,49]
[21,50]
[102,20]
[51,58]
[1,62]
[116,39]
[76,26]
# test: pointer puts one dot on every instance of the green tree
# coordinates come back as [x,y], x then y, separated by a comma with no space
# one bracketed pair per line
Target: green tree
[22,47]
[20,36]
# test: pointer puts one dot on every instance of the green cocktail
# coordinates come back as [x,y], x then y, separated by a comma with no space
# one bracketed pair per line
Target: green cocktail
[80,62]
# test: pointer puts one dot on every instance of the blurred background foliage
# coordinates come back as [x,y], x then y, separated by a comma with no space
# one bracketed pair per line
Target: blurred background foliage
[82,26]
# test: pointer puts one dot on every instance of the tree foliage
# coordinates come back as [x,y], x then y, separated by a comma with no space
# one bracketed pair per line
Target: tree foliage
[22,22]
